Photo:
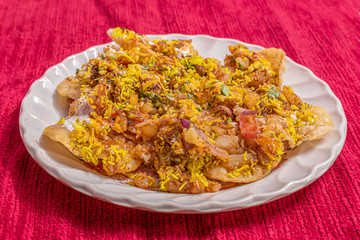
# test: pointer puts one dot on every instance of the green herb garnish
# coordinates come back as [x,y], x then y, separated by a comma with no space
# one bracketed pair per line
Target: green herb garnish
[273,92]
[242,68]
[188,64]
[176,160]
[157,105]
[211,83]
[183,89]
[225,90]
[145,67]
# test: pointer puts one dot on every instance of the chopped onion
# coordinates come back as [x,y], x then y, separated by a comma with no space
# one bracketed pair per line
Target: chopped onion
[187,146]
[211,148]
[185,123]
[248,112]
[192,136]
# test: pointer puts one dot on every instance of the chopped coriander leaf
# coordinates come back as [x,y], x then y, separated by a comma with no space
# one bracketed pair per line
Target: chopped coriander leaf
[225,90]
[210,83]
[77,70]
[273,92]
[145,67]
[229,120]
[157,105]
[188,95]
[183,89]
[199,109]
[188,64]
[242,68]
[145,95]
[176,160]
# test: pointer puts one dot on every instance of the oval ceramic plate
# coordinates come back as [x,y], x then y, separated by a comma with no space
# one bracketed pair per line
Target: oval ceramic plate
[42,106]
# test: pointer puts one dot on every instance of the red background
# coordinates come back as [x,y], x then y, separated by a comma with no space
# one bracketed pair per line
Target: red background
[323,35]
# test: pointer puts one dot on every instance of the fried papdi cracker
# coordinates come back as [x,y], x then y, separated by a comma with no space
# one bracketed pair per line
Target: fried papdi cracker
[277,59]
[320,128]
[250,169]
[222,174]
[71,89]
[59,133]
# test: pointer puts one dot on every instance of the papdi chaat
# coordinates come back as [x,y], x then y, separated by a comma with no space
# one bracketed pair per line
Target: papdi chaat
[171,120]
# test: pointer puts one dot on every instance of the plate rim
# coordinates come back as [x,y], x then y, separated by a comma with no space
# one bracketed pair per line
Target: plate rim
[129,201]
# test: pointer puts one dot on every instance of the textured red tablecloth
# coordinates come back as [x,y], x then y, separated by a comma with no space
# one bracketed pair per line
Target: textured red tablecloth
[323,35]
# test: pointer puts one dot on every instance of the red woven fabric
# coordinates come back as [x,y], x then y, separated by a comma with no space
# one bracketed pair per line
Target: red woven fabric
[322,35]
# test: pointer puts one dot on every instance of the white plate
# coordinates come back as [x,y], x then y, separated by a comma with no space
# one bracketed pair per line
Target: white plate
[42,107]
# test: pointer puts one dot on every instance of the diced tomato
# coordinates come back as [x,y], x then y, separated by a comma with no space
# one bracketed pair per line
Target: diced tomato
[249,126]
